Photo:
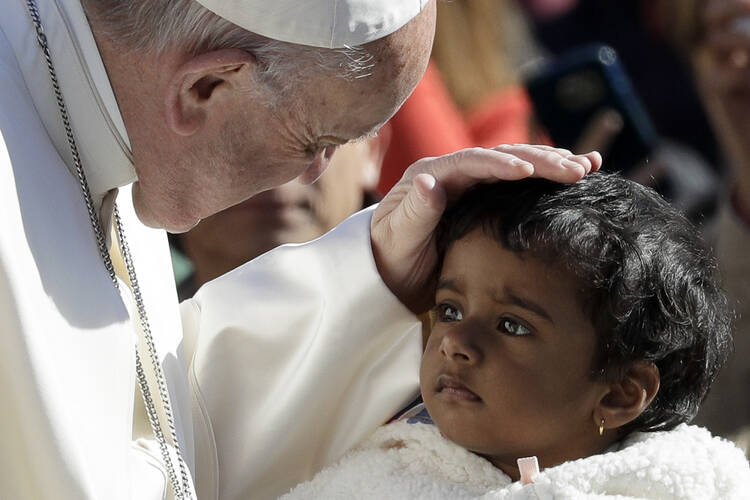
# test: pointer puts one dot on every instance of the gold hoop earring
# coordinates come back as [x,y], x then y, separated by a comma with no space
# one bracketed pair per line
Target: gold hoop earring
[601,427]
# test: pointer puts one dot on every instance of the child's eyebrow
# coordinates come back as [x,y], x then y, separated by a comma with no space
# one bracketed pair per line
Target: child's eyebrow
[509,296]
[512,297]
[448,284]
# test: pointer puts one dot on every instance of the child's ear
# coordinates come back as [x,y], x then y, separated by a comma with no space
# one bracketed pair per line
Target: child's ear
[628,397]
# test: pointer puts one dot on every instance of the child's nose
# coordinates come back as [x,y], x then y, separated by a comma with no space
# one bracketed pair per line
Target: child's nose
[458,346]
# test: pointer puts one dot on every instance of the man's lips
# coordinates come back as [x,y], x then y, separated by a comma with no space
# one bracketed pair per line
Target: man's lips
[452,388]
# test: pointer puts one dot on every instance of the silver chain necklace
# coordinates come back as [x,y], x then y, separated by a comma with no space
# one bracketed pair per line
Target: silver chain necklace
[181,487]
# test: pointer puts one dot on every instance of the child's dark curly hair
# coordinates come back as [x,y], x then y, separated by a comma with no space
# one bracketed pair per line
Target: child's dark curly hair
[647,280]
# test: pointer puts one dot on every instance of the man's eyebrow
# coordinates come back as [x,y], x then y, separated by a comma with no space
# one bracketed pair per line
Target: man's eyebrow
[373,132]
[513,298]
[332,139]
[340,141]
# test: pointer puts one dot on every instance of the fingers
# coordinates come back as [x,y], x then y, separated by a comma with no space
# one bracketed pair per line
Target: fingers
[596,160]
[419,212]
[591,161]
[552,163]
[560,151]
[460,170]
[402,226]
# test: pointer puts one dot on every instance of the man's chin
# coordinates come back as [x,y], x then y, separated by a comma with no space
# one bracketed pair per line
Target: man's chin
[167,225]
[180,229]
[173,221]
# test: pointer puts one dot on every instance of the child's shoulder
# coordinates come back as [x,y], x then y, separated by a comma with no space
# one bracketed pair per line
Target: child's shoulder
[404,460]
[687,443]
[680,463]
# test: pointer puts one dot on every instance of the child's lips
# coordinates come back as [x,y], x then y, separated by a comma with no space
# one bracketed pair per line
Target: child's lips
[453,388]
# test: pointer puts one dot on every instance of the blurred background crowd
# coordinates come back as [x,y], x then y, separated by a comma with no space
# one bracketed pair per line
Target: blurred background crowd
[660,87]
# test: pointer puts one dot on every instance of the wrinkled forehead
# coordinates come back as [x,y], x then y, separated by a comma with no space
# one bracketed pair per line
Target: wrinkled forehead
[352,108]
[343,106]
[403,55]
[343,110]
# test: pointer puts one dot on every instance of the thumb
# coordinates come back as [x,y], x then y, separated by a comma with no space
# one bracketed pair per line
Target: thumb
[419,212]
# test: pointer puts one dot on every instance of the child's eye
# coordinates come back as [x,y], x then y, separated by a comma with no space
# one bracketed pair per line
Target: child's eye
[511,327]
[448,313]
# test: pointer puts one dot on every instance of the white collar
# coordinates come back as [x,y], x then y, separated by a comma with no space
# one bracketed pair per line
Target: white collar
[97,124]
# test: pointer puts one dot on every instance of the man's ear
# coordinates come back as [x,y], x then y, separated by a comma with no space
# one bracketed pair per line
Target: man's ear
[204,83]
[627,397]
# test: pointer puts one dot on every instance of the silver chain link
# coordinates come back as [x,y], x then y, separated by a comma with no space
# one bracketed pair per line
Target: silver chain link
[160,381]
[182,489]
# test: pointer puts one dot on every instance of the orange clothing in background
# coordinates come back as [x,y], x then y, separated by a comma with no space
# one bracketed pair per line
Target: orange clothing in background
[430,124]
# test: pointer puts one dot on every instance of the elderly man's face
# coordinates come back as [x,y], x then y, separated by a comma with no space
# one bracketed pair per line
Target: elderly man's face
[273,143]
[259,140]
[291,213]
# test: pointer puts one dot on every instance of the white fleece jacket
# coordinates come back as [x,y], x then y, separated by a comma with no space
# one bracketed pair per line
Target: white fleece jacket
[413,461]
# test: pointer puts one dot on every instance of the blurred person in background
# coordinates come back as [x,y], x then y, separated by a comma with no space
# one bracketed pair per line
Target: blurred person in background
[473,91]
[638,31]
[683,162]
[471,94]
[717,35]
[291,213]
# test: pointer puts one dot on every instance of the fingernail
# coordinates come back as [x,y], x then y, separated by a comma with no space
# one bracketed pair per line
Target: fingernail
[429,181]
[586,163]
[427,184]
[571,164]
[522,163]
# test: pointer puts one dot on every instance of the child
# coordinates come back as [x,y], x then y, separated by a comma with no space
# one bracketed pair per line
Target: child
[580,324]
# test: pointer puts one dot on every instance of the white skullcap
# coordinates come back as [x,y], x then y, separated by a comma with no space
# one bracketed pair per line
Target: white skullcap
[318,23]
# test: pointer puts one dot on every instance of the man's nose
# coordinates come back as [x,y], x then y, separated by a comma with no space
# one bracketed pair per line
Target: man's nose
[458,344]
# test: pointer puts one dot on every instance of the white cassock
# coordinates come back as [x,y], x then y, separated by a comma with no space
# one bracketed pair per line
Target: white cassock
[283,365]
